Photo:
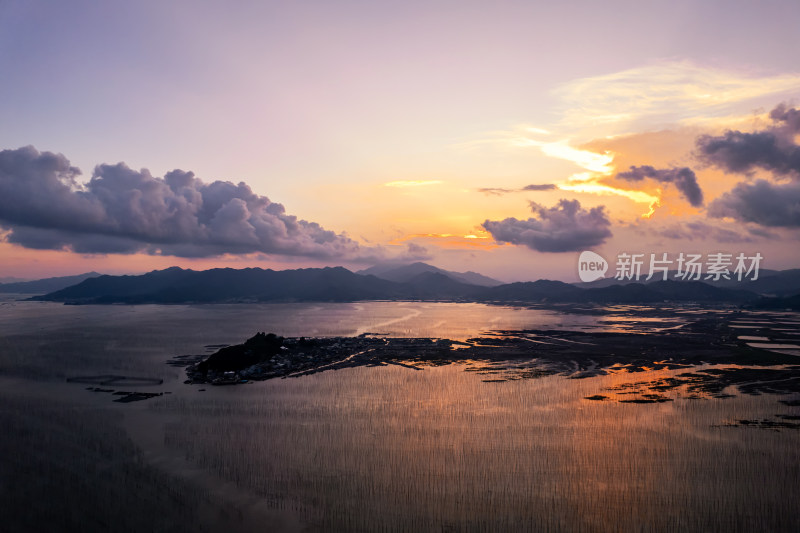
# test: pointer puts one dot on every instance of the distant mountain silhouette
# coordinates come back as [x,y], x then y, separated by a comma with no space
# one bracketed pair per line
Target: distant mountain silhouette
[769,282]
[780,283]
[404,273]
[12,279]
[435,285]
[535,291]
[176,285]
[659,291]
[43,286]
[701,291]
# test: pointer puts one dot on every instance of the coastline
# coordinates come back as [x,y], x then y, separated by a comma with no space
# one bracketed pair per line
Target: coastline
[304,450]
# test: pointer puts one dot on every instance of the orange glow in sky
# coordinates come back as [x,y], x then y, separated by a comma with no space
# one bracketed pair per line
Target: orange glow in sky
[342,135]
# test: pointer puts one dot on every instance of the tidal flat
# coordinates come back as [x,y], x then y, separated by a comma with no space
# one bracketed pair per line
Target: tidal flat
[472,445]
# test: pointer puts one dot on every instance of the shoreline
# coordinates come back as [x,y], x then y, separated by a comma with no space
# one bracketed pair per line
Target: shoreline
[509,393]
[509,355]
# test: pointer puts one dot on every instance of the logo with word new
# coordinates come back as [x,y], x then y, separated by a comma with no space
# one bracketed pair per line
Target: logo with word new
[591,266]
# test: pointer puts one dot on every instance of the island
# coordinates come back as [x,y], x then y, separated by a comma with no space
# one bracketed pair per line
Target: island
[706,358]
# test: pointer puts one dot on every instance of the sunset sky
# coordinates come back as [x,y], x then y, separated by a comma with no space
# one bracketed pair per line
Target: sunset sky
[498,137]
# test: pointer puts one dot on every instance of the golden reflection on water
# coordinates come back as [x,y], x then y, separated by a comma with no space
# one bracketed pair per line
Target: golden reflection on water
[396,449]
[438,449]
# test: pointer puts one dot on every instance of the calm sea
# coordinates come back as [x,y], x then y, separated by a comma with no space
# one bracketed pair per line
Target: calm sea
[397,449]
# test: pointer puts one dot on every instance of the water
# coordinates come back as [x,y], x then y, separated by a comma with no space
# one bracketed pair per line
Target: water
[396,449]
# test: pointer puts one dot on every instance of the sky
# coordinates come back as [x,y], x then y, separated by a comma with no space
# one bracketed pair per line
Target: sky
[498,137]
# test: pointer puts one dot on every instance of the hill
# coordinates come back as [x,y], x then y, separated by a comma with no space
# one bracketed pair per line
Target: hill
[337,284]
[176,285]
[435,285]
[769,282]
[673,291]
[44,286]
[535,291]
[405,273]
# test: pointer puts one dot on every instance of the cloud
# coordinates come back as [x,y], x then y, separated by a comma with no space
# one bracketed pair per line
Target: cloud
[540,187]
[597,167]
[761,202]
[416,252]
[773,149]
[788,118]
[699,230]
[665,92]
[497,191]
[447,241]
[564,228]
[121,210]
[590,184]
[702,230]
[683,178]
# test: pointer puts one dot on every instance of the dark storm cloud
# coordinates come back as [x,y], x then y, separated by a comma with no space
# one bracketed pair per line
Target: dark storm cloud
[121,210]
[773,149]
[761,202]
[683,178]
[497,191]
[563,228]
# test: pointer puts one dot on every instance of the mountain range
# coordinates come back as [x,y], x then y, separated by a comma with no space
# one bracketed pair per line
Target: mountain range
[41,286]
[403,273]
[768,283]
[414,282]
